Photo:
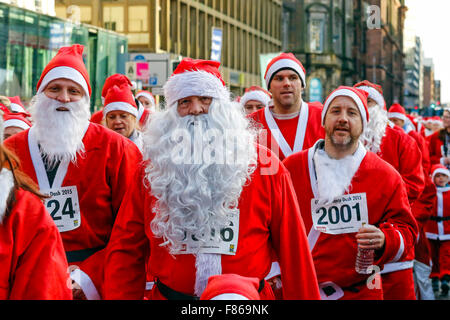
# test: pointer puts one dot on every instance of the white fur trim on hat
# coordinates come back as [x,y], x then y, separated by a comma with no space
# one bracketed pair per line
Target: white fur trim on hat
[353,96]
[17,107]
[194,83]
[229,296]
[2,128]
[16,123]
[281,64]
[398,115]
[65,73]
[120,106]
[146,95]
[374,94]
[257,95]
[440,170]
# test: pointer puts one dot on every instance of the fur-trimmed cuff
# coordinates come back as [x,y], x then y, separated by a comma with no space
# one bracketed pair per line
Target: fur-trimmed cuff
[394,244]
[86,284]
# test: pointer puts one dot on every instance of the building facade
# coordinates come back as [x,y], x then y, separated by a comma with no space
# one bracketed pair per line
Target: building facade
[184,28]
[428,82]
[28,40]
[322,34]
[413,91]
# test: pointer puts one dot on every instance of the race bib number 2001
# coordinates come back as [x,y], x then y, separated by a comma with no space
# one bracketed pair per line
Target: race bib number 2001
[345,214]
[64,207]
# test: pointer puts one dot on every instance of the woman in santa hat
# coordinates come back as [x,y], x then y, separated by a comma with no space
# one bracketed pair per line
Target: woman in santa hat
[33,263]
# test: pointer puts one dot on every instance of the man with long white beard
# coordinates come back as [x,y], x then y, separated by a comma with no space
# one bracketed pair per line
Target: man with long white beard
[84,167]
[207,201]
[394,146]
[345,210]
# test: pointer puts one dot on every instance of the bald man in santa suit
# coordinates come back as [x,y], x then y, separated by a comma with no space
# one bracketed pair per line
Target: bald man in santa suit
[193,214]
[84,167]
[394,146]
[337,190]
[289,124]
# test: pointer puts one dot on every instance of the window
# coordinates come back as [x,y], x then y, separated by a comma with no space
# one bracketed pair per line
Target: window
[137,18]
[113,18]
[317,29]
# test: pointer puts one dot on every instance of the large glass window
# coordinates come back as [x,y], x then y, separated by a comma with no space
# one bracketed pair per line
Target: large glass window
[317,29]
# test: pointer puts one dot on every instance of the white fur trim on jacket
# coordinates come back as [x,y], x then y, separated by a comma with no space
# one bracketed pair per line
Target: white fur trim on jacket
[194,83]
[120,106]
[6,185]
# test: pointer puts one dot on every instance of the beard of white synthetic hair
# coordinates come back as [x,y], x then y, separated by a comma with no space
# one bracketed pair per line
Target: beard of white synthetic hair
[196,191]
[334,176]
[376,128]
[60,133]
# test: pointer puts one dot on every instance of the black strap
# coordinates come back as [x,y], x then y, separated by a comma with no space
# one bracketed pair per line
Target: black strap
[439,219]
[171,294]
[81,255]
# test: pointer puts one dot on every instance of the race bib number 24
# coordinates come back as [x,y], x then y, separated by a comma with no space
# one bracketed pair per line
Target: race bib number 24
[345,214]
[64,208]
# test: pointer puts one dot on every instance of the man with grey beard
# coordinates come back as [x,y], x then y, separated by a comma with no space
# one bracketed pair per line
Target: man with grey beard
[84,167]
[208,200]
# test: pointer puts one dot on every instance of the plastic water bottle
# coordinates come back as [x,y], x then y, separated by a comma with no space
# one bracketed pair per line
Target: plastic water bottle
[364,259]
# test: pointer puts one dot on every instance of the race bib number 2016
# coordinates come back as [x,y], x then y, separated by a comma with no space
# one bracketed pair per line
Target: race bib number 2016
[225,244]
[345,214]
[63,207]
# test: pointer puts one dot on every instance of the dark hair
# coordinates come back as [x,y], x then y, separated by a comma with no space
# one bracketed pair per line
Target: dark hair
[21,181]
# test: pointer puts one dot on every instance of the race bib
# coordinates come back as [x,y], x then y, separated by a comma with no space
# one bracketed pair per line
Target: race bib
[345,214]
[64,207]
[226,244]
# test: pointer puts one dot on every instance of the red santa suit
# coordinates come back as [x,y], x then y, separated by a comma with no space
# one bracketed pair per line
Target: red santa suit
[438,229]
[268,210]
[286,136]
[334,255]
[33,264]
[421,208]
[101,178]
[438,150]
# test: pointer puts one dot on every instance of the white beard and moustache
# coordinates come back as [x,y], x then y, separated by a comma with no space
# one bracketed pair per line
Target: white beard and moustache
[60,133]
[334,176]
[376,128]
[195,194]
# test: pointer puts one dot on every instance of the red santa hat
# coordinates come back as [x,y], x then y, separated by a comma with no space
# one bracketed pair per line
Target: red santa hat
[114,80]
[436,119]
[375,92]
[398,112]
[195,77]
[357,95]
[68,64]
[231,287]
[439,168]
[148,95]
[16,120]
[97,117]
[256,93]
[17,106]
[120,98]
[4,109]
[281,62]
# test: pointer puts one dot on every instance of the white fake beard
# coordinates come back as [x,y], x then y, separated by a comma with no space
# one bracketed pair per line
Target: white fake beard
[376,128]
[6,185]
[60,133]
[195,195]
[334,176]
